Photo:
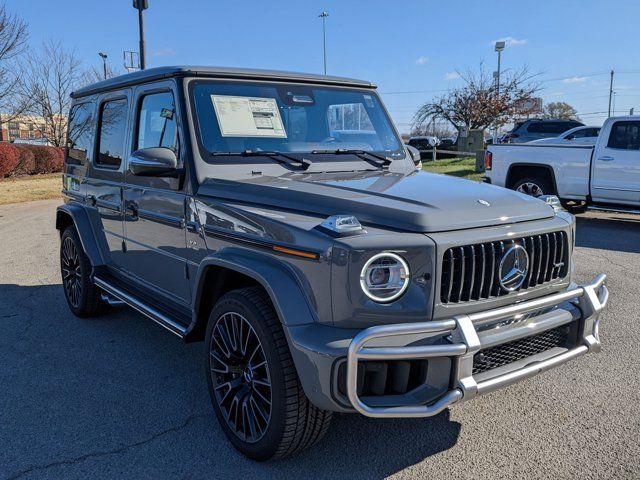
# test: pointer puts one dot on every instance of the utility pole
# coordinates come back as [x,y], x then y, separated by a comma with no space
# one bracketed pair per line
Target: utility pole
[104,63]
[141,6]
[324,16]
[610,92]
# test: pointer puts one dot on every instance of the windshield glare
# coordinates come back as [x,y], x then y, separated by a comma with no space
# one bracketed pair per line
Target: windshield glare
[239,117]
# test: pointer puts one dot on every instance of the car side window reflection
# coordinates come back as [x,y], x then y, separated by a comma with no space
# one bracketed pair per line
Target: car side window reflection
[157,126]
[113,125]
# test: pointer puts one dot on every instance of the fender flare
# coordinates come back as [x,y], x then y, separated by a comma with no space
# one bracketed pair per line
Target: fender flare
[80,218]
[280,281]
[542,166]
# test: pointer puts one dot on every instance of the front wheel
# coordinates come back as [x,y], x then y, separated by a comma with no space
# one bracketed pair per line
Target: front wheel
[253,383]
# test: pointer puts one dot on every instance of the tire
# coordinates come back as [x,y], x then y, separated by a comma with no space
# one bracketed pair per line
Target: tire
[533,186]
[82,296]
[575,206]
[246,349]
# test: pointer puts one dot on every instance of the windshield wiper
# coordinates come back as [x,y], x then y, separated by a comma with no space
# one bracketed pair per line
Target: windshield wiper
[277,156]
[372,158]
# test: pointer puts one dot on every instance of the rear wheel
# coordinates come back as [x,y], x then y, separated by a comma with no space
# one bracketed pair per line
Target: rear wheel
[533,186]
[253,384]
[82,296]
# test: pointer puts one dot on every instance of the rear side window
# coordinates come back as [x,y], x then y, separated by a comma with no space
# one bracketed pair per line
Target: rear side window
[157,126]
[537,128]
[625,136]
[420,144]
[551,127]
[113,124]
[80,133]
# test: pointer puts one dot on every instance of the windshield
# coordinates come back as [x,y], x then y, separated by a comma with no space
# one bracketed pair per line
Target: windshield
[280,117]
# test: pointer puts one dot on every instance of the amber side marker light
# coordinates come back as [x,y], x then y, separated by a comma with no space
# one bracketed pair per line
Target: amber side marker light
[297,253]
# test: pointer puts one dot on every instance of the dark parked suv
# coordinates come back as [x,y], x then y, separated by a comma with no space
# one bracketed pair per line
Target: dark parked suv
[535,129]
[278,217]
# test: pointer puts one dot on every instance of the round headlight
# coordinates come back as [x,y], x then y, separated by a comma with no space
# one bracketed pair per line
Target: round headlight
[384,277]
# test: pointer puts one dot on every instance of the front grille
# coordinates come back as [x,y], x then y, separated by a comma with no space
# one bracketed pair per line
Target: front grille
[470,272]
[517,350]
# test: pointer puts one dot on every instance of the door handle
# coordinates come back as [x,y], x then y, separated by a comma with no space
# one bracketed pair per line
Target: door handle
[605,159]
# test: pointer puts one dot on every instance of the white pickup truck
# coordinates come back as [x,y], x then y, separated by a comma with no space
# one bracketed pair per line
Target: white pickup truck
[606,175]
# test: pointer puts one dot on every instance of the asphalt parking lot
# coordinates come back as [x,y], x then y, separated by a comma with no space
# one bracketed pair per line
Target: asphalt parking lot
[119,397]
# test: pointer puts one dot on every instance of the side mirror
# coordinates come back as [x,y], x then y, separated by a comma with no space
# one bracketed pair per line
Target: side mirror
[154,162]
[414,154]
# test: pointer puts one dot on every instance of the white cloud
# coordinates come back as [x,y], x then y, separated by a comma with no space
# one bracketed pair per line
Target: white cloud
[164,52]
[575,80]
[422,60]
[510,41]
[451,76]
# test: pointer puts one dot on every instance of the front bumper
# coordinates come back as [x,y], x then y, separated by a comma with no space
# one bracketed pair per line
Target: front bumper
[465,342]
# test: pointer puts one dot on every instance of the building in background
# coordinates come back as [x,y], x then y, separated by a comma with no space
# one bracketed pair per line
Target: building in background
[28,129]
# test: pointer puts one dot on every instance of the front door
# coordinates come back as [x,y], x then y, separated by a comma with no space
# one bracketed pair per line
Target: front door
[616,164]
[155,207]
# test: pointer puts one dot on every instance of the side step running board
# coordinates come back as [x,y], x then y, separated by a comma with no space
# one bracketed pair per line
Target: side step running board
[143,308]
[614,210]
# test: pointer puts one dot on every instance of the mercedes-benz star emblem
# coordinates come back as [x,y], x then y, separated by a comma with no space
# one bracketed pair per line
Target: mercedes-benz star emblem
[513,268]
[484,202]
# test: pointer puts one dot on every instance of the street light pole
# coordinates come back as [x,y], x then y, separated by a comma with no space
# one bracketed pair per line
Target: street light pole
[141,6]
[104,63]
[324,16]
[499,47]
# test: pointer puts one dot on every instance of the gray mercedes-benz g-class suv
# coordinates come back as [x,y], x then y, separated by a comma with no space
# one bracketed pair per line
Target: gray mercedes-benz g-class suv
[278,217]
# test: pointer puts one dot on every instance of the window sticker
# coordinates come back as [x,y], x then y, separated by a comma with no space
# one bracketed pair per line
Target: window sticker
[248,116]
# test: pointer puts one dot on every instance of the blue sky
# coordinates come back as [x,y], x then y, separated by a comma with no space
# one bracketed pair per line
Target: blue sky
[403,46]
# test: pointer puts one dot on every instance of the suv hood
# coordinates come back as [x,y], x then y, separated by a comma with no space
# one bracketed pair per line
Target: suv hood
[417,202]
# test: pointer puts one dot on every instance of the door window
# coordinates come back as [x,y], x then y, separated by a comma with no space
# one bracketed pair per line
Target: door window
[625,136]
[157,126]
[113,125]
[80,133]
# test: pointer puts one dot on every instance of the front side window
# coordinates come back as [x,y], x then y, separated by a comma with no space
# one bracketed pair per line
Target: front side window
[625,135]
[157,126]
[80,133]
[238,117]
[113,125]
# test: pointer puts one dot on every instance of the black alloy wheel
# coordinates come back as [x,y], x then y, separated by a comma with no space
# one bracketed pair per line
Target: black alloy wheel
[82,296]
[240,376]
[71,272]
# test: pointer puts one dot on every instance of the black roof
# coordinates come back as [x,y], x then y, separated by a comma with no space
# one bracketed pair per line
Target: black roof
[143,76]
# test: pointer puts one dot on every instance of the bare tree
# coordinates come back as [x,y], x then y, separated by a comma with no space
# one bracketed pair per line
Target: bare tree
[48,78]
[95,74]
[13,42]
[480,103]
[560,110]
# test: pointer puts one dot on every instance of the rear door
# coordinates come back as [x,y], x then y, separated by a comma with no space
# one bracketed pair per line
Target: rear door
[103,184]
[155,207]
[616,164]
